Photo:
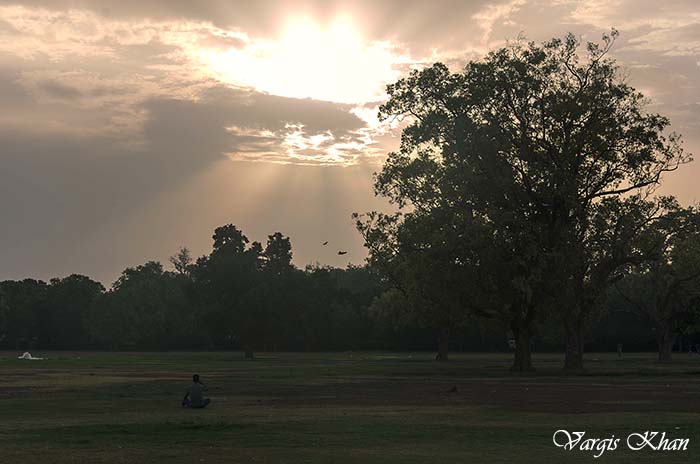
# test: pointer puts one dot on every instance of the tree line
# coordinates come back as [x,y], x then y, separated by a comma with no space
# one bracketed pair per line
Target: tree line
[243,296]
[240,296]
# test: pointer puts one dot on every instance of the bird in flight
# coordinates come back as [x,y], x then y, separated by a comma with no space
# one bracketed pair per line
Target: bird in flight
[325,243]
[342,252]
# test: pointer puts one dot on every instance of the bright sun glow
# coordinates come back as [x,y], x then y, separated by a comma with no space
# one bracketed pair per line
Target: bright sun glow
[307,60]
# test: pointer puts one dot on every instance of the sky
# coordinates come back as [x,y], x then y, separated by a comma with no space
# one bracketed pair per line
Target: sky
[131,128]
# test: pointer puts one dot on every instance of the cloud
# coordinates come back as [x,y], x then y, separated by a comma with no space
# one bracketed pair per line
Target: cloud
[130,128]
[224,121]
[632,14]
[307,60]
[680,40]
[490,14]
[92,75]
[63,34]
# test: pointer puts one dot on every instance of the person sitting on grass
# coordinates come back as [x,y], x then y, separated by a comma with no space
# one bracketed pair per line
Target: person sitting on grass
[193,398]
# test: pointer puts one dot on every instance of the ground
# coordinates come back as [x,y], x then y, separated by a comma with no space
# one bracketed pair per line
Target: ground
[339,407]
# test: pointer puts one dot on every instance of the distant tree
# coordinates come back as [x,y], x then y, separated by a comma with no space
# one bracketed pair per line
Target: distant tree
[25,307]
[278,254]
[230,239]
[182,261]
[113,323]
[227,280]
[358,286]
[316,319]
[69,301]
[666,290]
[146,307]
[4,316]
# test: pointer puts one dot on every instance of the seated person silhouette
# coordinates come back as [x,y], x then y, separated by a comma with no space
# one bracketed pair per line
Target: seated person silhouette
[194,398]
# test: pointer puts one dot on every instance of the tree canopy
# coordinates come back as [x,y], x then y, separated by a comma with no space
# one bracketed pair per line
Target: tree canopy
[550,153]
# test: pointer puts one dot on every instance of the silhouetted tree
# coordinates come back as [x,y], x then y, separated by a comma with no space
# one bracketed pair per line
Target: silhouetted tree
[182,261]
[666,290]
[530,140]
[229,239]
[278,254]
[25,303]
[227,279]
[4,315]
[146,307]
[423,256]
[69,301]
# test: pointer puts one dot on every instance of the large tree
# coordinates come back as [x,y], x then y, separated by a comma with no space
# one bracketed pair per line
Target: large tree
[531,140]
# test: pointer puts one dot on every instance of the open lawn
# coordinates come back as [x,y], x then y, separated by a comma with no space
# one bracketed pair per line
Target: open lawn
[338,407]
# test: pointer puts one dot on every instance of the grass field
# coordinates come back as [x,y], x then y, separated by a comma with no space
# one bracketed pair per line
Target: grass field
[338,407]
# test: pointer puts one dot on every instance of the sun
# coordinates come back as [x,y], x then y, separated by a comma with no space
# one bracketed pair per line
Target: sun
[330,62]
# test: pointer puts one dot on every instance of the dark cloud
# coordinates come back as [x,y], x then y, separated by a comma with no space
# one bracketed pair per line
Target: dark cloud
[243,107]
[59,90]
[197,131]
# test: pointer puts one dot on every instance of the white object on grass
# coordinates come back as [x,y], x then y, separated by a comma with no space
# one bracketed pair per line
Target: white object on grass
[28,355]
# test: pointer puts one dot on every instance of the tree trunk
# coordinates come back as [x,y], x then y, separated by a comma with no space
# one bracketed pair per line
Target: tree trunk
[443,344]
[665,340]
[573,359]
[523,354]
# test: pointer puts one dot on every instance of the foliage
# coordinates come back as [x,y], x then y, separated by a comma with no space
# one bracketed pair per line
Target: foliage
[666,290]
[539,150]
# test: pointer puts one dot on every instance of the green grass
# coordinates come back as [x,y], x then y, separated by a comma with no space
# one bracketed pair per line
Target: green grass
[338,408]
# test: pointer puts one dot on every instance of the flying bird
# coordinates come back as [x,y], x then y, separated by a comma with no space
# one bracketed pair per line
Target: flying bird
[342,252]
[325,243]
